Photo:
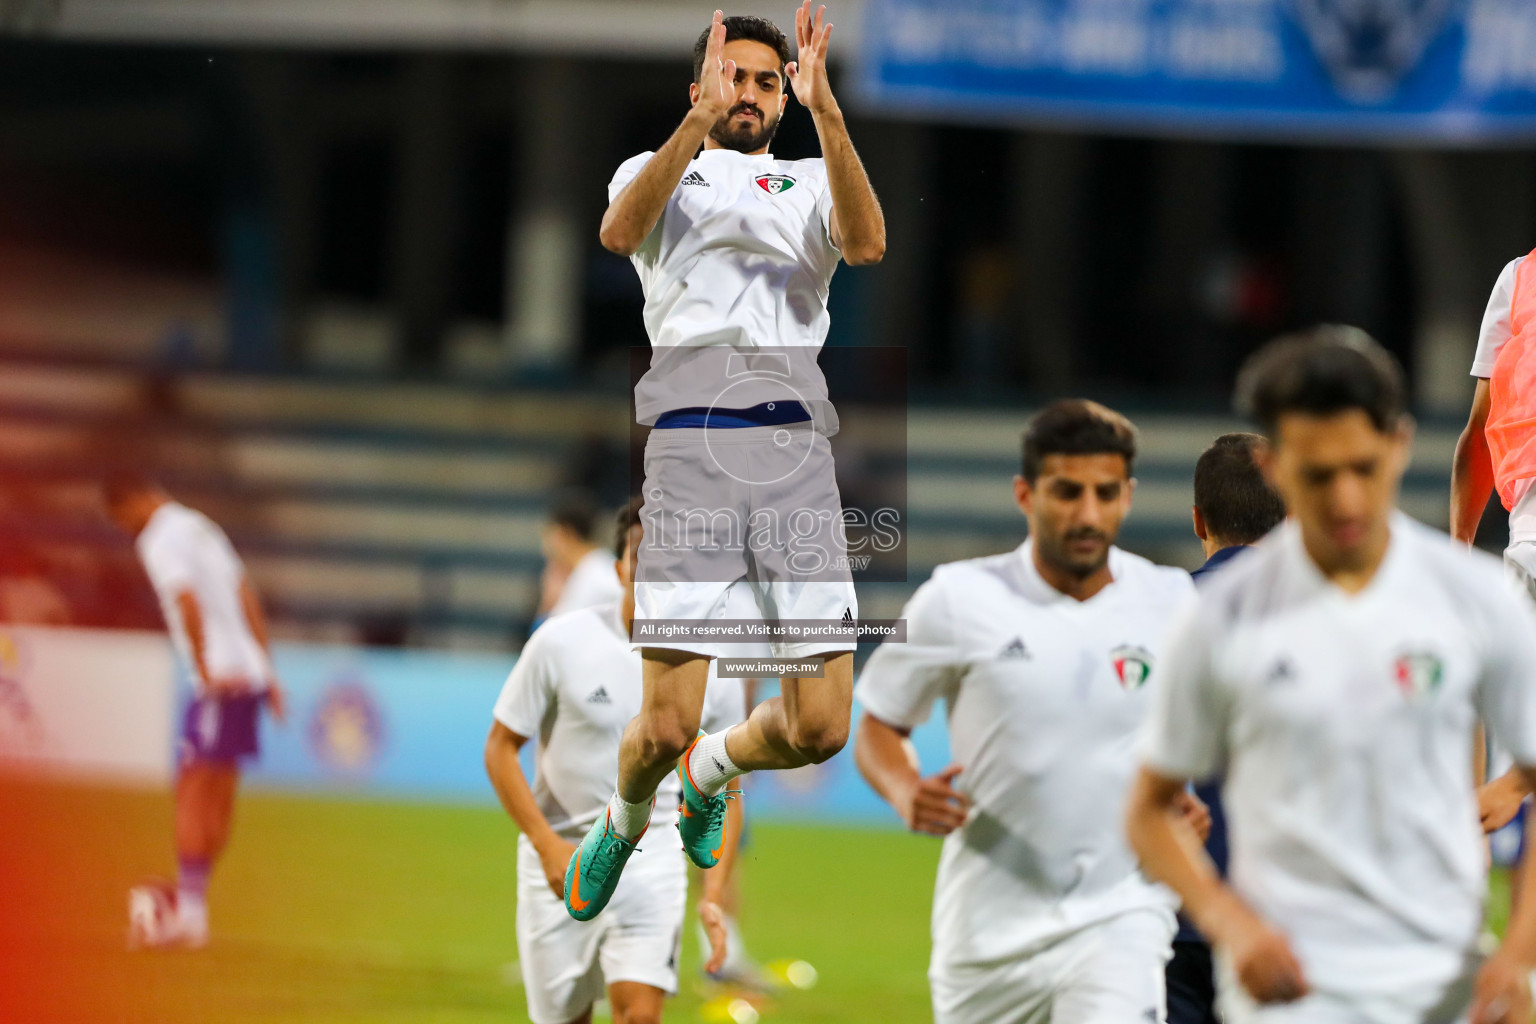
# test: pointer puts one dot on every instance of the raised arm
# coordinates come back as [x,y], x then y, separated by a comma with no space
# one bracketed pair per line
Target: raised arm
[1171,853]
[858,226]
[633,214]
[1471,470]
[932,805]
[511,785]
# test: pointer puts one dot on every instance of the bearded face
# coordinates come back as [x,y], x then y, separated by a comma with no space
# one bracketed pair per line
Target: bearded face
[747,128]
[758,97]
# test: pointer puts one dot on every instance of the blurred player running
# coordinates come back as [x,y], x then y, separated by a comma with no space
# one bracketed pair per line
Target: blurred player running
[1042,657]
[1497,449]
[586,579]
[1333,675]
[220,633]
[575,686]
[1234,508]
[577,572]
[735,250]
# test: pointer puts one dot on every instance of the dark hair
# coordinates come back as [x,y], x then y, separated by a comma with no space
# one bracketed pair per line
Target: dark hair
[1076,426]
[1326,370]
[627,519]
[1234,499]
[744,26]
[575,514]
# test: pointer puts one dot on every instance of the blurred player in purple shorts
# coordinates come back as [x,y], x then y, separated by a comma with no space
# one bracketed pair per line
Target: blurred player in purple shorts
[220,635]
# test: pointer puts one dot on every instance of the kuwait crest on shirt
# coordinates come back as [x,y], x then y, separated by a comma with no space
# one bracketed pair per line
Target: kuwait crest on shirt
[1132,665]
[1418,674]
[773,184]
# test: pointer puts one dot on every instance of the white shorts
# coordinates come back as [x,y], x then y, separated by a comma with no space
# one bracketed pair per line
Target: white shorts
[1520,564]
[744,601]
[1108,973]
[1410,1005]
[568,964]
[744,479]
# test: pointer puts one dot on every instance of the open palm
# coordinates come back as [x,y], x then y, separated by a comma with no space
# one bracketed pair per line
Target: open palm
[717,78]
[808,73]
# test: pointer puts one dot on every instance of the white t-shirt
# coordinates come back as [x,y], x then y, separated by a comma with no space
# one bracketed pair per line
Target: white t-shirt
[184,550]
[1496,331]
[1046,696]
[575,687]
[741,257]
[1343,724]
[592,582]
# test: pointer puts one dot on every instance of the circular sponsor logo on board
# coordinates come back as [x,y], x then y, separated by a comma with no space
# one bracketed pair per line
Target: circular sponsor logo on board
[346,731]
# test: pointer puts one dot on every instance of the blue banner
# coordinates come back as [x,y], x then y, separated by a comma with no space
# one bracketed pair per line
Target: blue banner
[386,724]
[1449,71]
[381,723]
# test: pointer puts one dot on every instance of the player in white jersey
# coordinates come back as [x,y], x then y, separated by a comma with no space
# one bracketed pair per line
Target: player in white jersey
[577,573]
[1042,657]
[1333,676]
[735,250]
[575,687]
[219,632]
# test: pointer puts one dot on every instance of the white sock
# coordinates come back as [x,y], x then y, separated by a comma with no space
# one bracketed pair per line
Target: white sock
[192,913]
[710,766]
[628,819]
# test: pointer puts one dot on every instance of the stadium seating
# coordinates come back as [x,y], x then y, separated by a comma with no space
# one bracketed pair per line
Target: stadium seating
[393,512]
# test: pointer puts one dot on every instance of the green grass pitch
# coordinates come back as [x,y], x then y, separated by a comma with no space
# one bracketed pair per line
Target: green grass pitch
[329,910]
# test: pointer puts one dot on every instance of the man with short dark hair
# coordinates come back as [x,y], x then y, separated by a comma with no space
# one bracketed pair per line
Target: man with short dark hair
[1333,677]
[1042,656]
[735,250]
[577,572]
[1234,504]
[1234,507]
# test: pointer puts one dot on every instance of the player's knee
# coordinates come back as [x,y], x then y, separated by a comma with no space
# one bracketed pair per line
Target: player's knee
[664,740]
[819,741]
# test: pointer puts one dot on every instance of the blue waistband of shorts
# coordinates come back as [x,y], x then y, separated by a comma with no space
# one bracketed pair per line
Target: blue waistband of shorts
[768,414]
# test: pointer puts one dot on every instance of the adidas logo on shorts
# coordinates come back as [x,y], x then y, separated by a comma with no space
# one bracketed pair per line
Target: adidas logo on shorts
[599,696]
[694,178]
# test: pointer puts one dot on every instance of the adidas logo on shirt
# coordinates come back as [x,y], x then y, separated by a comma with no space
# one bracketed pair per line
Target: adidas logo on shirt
[694,178]
[599,696]
[1015,649]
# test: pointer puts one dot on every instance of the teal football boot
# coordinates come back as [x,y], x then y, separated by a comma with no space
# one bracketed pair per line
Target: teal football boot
[595,867]
[701,819]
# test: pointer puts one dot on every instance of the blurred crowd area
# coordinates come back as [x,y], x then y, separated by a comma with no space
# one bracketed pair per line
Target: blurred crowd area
[350,301]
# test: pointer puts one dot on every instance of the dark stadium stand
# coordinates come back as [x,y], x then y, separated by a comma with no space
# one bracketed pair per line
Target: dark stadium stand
[391,512]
